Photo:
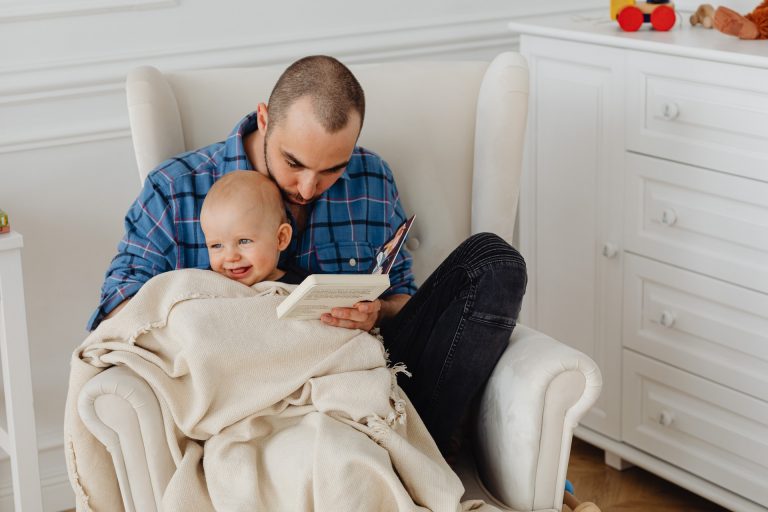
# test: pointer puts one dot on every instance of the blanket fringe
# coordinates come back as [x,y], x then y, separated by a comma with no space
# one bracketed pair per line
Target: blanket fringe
[398,403]
[400,368]
[379,429]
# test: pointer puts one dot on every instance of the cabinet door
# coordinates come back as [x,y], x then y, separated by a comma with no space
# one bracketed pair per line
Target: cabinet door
[571,203]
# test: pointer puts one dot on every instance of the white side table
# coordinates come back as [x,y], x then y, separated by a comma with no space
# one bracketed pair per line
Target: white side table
[19,441]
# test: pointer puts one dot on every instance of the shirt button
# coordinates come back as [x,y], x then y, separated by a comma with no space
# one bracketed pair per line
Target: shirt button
[352,262]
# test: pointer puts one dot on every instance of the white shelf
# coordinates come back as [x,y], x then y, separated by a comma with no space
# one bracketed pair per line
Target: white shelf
[684,40]
[10,241]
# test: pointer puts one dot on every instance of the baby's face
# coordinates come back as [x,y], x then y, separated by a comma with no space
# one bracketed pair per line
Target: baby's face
[241,245]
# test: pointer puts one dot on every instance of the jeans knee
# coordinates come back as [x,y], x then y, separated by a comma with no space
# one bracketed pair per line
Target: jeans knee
[484,250]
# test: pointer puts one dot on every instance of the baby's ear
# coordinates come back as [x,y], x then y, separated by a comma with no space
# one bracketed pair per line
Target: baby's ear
[284,232]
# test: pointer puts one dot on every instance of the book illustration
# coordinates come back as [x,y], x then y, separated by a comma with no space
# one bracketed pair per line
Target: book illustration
[385,257]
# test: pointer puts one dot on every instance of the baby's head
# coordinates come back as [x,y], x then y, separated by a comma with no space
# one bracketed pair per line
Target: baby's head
[243,219]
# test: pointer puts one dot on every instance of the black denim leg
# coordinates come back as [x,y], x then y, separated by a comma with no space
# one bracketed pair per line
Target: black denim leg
[453,331]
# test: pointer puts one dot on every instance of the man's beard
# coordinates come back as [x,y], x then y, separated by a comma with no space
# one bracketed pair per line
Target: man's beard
[296,199]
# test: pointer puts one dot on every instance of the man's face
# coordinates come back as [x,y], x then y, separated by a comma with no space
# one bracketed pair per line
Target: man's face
[303,158]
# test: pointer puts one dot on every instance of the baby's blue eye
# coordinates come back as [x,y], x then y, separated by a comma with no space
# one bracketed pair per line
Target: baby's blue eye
[244,241]
[214,246]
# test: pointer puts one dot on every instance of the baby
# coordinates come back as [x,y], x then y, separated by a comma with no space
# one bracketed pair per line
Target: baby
[245,226]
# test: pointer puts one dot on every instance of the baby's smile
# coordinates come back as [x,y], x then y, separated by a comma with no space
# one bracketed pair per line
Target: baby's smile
[238,272]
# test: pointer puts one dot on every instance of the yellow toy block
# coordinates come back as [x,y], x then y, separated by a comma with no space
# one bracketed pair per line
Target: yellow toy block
[617,5]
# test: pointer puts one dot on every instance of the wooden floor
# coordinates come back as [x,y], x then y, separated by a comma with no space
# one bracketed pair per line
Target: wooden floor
[631,490]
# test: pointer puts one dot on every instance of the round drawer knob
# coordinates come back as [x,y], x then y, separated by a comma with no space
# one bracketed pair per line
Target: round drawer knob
[412,243]
[610,250]
[668,217]
[666,418]
[670,111]
[667,319]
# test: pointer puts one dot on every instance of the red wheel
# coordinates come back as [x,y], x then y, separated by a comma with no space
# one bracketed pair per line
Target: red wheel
[663,18]
[630,18]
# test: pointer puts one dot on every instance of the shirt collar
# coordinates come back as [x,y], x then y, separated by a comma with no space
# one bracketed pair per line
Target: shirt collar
[235,156]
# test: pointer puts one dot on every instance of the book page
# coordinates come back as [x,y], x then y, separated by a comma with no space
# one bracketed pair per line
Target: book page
[325,293]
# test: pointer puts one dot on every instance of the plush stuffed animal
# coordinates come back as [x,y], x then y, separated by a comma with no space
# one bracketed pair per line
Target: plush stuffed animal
[751,26]
[704,16]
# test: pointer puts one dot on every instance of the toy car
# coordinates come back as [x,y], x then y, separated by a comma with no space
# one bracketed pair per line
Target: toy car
[631,15]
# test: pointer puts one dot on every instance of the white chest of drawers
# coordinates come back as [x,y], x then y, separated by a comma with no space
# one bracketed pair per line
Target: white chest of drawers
[644,221]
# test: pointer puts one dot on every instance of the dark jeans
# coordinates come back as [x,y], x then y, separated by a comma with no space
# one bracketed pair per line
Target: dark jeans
[453,331]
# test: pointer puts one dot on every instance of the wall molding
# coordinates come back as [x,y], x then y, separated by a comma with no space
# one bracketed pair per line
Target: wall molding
[394,40]
[28,10]
[62,85]
[404,39]
[76,92]
[64,139]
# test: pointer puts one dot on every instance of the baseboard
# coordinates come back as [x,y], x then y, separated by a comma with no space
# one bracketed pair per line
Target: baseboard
[54,481]
[57,494]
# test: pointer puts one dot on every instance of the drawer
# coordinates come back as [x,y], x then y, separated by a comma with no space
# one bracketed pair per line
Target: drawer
[705,113]
[702,220]
[713,329]
[714,432]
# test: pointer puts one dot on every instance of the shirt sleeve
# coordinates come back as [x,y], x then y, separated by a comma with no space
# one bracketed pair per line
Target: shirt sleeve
[148,248]
[401,275]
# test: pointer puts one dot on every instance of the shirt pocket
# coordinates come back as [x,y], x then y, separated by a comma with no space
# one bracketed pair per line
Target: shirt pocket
[345,257]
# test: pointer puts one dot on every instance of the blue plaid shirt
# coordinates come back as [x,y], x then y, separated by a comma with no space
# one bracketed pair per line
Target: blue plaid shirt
[348,223]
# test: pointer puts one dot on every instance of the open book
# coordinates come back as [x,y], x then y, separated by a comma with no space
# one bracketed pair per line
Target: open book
[319,293]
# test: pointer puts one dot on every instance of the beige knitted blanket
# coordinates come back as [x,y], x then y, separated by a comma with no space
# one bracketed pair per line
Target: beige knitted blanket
[261,414]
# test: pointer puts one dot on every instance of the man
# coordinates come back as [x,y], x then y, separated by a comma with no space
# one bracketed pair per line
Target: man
[343,203]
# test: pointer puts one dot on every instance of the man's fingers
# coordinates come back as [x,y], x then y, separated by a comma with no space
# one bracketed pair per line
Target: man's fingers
[349,314]
[362,316]
[353,318]
[340,322]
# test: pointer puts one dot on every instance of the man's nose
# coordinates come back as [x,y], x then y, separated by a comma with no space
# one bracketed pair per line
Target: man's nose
[307,186]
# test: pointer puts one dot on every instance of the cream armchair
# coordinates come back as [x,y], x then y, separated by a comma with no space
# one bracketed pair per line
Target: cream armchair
[453,134]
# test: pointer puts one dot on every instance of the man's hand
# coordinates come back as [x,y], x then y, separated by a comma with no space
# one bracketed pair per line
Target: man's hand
[363,315]
[366,315]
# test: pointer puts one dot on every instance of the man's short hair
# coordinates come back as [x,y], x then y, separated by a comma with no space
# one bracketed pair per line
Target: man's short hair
[334,90]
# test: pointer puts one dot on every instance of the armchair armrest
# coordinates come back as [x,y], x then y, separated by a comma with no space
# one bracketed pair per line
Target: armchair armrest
[122,411]
[534,399]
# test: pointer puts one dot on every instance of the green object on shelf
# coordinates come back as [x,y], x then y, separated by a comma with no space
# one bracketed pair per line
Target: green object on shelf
[5,227]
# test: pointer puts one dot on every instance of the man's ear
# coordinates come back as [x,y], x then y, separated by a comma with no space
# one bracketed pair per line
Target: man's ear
[284,232]
[262,117]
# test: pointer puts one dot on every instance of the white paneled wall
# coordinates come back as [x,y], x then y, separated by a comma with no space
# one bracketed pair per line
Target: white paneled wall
[67,173]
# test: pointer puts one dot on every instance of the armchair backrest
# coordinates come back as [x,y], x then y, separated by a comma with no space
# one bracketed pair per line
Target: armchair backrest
[452,133]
